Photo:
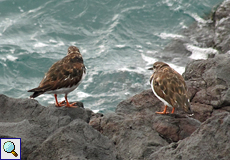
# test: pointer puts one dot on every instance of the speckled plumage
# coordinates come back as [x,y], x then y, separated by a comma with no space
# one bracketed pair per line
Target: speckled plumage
[63,76]
[169,86]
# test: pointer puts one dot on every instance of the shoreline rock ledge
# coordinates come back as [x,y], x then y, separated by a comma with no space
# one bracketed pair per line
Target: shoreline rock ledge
[51,132]
[134,131]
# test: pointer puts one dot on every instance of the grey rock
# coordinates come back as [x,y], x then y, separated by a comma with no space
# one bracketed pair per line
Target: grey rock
[209,81]
[222,27]
[75,141]
[137,131]
[33,123]
[209,142]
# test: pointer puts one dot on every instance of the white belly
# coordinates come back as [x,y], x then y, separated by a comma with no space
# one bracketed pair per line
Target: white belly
[165,102]
[62,90]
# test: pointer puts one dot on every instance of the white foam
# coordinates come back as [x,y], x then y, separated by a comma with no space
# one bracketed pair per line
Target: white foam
[170,35]
[102,49]
[46,97]
[136,70]
[152,52]
[179,69]
[59,44]
[95,110]
[6,24]
[11,58]
[83,51]
[34,10]
[40,44]
[101,46]
[4,59]
[83,95]
[222,20]
[139,46]
[115,17]
[149,60]
[200,53]
[120,46]
[21,10]
[52,41]
[198,18]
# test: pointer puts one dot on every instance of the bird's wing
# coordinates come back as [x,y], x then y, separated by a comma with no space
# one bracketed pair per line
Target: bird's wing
[64,73]
[170,86]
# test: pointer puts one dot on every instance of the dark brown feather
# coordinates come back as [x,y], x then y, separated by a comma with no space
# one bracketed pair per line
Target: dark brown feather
[62,74]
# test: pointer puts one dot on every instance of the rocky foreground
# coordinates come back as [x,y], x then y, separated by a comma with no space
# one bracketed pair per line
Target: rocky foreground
[134,131]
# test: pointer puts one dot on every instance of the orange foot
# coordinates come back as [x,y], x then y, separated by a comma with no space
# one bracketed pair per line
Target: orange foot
[164,112]
[56,102]
[60,104]
[72,105]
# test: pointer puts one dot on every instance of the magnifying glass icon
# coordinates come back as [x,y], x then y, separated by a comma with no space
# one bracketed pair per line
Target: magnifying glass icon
[9,147]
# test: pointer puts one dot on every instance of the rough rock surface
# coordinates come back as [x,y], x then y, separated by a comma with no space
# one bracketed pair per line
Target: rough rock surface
[207,37]
[209,142]
[209,81]
[134,131]
[77,140]
[34,124]
[141,134]
[221,20]
[137,131]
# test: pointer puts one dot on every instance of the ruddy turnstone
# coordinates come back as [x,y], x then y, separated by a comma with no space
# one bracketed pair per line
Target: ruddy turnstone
[63,77]
[169,86]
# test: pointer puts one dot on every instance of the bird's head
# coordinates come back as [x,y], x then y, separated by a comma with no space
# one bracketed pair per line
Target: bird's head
[158,65]
[73,50]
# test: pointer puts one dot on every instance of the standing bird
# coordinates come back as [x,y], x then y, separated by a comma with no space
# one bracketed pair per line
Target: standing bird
[169,86]
[63,77]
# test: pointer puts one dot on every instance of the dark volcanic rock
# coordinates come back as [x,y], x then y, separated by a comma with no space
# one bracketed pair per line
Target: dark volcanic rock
[137,131]
[134,131]
[222,27]
[33,123]
[209,81]
[209,37]
[174,127]
[75,141]
[210,142]
[144,102]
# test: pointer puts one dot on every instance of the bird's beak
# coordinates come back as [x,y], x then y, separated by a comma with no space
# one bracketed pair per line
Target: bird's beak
[150,68]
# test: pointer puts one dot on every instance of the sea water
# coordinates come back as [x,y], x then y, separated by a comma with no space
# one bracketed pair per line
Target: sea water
[118,39]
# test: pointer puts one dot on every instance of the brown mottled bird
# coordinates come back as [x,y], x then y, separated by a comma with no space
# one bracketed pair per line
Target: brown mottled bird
[169,86]
[63,77]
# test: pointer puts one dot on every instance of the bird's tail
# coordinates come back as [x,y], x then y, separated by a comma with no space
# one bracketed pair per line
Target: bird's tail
[36,93]
[187,107]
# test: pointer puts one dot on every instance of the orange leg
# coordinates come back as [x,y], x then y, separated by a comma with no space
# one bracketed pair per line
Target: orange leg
[69,105]
[173,110]
[164,112]
[56,101]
